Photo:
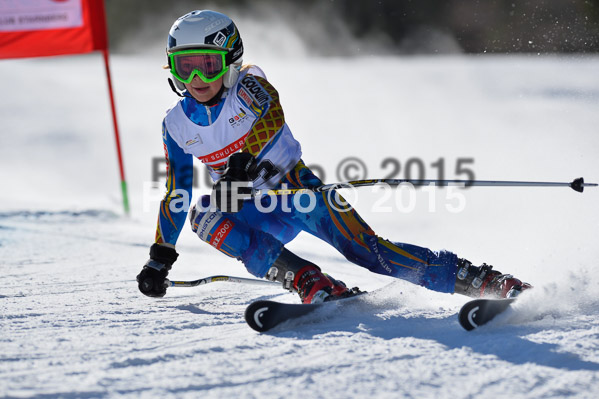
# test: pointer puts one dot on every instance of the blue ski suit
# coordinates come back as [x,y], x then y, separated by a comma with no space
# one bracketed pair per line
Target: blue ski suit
[255,236]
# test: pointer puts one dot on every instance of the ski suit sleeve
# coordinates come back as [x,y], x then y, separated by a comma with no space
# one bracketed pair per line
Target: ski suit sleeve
[271,119]
[269,140]
[179,180]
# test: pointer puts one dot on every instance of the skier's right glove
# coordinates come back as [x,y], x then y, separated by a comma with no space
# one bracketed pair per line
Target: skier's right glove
[241,167]
[152,278]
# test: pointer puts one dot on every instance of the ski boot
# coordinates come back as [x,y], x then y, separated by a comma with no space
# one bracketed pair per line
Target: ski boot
[482,281]
[313,286]
[307,280]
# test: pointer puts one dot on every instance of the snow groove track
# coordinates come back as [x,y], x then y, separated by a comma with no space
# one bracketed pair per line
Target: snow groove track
[78,329]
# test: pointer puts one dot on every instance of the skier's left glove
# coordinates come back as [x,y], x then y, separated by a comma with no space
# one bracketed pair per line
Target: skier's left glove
[241,168]
[152,278]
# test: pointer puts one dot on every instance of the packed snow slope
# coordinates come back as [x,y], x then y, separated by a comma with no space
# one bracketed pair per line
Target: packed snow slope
[73,324]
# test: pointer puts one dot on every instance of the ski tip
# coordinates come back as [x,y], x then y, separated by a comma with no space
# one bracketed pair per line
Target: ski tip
[477,312]
[265,315]
[254,315]
[467,317]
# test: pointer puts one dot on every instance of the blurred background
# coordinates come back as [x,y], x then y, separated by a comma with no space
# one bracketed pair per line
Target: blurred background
[510,87]
[350,27]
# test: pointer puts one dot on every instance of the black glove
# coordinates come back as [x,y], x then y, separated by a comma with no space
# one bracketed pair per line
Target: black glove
[151,280]
[241,167]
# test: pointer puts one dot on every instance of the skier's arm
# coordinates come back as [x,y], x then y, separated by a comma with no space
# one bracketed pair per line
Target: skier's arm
[245,166]
[269,151]
[179,180]
[271,120]
[171,218]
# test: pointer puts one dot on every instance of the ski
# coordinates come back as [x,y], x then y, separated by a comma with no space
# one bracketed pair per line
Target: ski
[265,315]
[478,312]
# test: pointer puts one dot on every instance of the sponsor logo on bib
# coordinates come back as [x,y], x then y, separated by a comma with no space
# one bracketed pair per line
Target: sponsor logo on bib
[255,91]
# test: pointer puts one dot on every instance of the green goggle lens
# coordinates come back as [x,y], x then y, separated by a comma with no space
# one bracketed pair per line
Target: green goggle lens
[209,65]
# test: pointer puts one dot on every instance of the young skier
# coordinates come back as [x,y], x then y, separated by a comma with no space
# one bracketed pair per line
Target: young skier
[230,118]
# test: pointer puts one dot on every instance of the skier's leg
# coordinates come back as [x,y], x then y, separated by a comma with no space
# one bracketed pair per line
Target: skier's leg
[434,270]
[327,216]
[341,226]
[336,222]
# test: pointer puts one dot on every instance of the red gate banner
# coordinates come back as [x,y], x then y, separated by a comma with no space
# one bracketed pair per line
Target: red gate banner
[38,28]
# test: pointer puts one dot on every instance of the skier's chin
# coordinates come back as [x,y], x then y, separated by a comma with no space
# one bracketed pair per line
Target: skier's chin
[202,94]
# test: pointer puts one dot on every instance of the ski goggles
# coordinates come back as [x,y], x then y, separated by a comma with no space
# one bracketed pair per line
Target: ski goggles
[209,65]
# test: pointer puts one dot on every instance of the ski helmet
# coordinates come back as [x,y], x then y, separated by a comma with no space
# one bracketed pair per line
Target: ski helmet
[205,29]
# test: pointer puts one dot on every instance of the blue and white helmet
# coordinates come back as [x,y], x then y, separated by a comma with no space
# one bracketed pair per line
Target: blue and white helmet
[210,30]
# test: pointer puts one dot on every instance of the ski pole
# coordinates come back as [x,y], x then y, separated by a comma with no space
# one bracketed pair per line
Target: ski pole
[577,185]
[214,279]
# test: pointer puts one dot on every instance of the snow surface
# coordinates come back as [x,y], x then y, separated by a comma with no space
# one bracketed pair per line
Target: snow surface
[73,324]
